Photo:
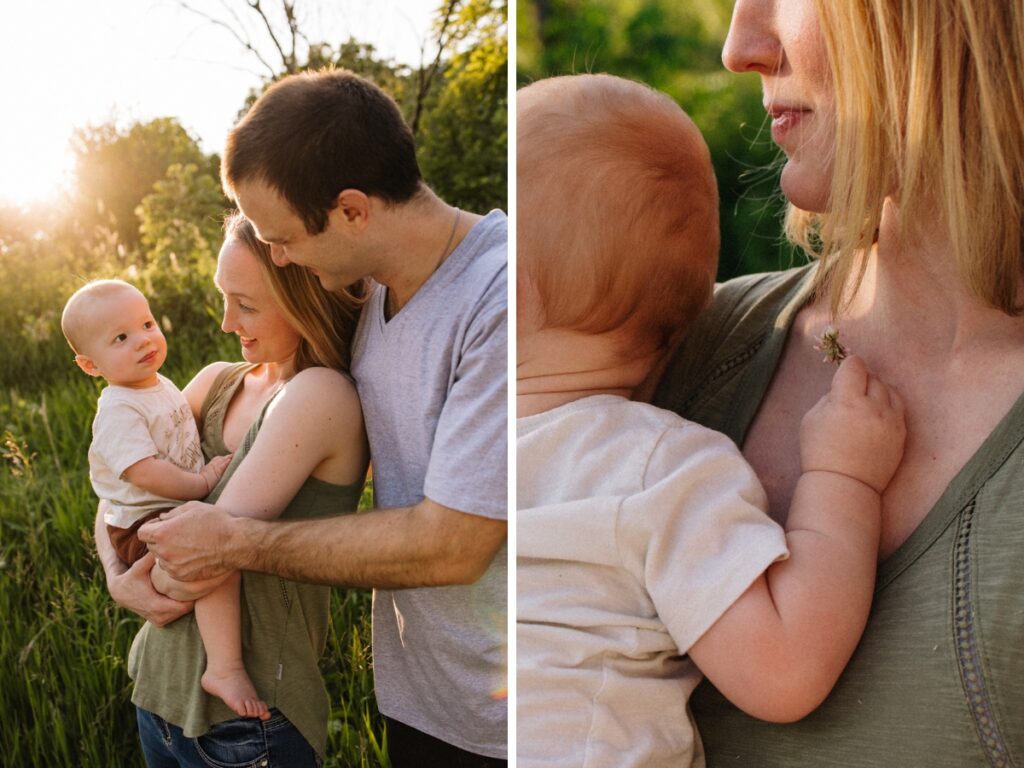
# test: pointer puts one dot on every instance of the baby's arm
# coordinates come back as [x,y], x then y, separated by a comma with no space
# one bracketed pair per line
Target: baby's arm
[163,478]
[779,649]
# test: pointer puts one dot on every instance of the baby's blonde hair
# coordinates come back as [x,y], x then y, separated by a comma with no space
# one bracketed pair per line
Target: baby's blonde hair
[74,320]
[617,209]
[930,110]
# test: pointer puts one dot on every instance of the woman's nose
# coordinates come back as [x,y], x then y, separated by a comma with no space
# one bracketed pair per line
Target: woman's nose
[752,44]
[227,323]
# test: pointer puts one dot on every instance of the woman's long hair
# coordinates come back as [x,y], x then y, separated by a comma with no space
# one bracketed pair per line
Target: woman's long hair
[930,111]
[326,320]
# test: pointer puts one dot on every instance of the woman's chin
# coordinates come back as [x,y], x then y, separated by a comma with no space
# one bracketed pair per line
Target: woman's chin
[806,190]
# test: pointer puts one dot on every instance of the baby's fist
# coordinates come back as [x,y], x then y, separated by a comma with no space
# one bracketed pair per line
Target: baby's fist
[857,429]
[215,468]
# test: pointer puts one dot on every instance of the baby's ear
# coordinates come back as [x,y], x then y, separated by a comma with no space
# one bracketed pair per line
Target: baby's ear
[87,365]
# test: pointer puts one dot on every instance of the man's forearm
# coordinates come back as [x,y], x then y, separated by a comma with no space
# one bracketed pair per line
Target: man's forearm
[425,545]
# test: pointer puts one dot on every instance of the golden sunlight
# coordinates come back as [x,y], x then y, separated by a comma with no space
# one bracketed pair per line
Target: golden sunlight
[34,164]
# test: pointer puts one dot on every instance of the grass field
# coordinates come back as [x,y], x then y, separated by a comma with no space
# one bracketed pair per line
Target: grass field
[64,691]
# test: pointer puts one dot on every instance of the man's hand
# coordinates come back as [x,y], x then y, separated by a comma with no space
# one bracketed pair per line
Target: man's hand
[132,589]
[193,541]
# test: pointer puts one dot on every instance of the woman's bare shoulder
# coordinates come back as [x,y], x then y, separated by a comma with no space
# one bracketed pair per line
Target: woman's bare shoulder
[321,390]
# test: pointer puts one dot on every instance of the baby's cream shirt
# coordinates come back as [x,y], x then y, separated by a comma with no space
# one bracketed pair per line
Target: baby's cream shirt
[135,424]
[636,530]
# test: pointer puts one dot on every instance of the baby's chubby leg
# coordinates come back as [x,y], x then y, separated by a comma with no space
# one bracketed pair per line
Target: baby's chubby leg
[218,616]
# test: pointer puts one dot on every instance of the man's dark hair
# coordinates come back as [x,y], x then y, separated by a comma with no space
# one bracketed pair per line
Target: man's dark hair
[312,135]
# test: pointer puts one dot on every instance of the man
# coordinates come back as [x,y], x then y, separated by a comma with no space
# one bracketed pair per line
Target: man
[324,167]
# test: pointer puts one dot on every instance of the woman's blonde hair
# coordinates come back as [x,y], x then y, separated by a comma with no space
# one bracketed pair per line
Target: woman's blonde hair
[326,320]
[930,110]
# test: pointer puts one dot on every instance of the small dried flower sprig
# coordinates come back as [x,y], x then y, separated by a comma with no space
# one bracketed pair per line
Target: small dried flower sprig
[834,350]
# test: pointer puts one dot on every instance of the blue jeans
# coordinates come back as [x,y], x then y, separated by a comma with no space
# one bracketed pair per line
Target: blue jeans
[242,743]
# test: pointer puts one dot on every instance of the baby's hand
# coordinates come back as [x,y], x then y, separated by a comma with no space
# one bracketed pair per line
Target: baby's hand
[213,470]
[857,429]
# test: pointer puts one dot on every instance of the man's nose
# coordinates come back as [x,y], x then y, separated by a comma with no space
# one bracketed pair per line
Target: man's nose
[277,255]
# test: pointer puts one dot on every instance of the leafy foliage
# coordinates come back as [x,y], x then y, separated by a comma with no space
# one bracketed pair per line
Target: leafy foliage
[115,169]
[464,149]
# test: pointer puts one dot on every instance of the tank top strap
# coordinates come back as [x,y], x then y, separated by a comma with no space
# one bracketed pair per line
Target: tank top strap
[215,406]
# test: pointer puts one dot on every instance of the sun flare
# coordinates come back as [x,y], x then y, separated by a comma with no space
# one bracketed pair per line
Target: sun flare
[34,165]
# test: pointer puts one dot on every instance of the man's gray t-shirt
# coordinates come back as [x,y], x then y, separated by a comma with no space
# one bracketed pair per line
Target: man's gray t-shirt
[433,382]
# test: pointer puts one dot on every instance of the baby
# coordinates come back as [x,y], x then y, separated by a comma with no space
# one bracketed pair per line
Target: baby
[145,457]
[645,557]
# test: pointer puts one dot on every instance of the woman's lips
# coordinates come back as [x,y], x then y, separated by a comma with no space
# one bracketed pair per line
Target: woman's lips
[246,342]
[785,119]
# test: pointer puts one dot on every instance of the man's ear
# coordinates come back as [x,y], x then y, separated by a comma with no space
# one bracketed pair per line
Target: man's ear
[353,208]
[87,365]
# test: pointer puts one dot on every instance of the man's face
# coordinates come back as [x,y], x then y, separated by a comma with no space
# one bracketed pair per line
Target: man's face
[330,255]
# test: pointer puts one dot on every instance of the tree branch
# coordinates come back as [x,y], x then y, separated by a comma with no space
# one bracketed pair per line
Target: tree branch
[245,42]
[426,76]
[288,61]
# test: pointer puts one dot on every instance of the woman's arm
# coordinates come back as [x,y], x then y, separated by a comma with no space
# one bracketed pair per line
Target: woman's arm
[131,588]
[313,428]
[295,441]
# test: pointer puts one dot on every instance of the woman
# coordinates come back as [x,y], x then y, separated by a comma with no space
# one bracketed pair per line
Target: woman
[903,130]
[294,418]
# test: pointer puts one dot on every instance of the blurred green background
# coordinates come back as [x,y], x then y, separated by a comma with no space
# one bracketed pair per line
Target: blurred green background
[676,47]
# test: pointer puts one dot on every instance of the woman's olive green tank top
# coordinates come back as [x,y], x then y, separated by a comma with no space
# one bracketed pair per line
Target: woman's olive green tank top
[284,624]
[938,677]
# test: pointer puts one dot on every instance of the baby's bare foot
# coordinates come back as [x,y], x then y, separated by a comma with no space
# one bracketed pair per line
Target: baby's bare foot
[233,686]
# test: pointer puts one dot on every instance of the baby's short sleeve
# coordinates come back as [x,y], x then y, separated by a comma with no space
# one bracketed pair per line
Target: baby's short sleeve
[120,437]
[697,535]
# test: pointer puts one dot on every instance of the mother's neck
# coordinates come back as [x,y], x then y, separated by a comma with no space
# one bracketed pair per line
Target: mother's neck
[913,293]
[274,374]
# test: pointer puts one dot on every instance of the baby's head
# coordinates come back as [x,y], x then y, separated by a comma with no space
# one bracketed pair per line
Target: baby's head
[617,209]
[114,335]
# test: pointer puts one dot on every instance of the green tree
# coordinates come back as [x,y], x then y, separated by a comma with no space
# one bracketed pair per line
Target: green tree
[181,232]
[115,168]
[181,219]
[463,144]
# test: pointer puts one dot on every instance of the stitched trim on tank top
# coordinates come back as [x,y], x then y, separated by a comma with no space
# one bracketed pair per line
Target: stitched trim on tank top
[972,675]
[285,597]
[719,372]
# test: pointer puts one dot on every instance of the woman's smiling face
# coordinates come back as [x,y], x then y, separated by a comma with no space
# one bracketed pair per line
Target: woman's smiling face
[781,40]
[250,310]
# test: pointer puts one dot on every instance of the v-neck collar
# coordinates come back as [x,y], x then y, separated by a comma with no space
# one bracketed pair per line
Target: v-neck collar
[965,484]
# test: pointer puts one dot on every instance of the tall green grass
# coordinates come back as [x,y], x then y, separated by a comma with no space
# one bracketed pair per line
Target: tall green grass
[64,689]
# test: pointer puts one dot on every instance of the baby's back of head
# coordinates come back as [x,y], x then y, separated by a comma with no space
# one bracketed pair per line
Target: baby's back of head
[617,209]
